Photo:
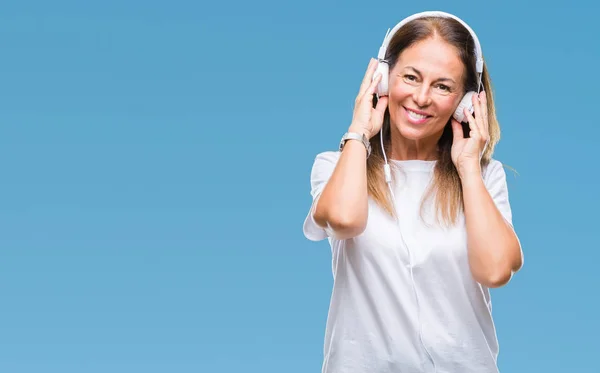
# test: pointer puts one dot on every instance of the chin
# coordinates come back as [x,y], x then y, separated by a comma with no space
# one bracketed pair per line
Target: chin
[412,133]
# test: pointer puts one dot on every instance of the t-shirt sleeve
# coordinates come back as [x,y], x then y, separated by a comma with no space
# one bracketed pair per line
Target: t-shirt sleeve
[322,170]
[495,181]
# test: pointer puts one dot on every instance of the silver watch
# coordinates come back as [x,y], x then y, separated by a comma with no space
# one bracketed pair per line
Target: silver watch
[356,136]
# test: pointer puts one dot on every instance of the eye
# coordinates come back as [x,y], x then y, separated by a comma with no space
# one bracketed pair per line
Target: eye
[444,88]
[410,78]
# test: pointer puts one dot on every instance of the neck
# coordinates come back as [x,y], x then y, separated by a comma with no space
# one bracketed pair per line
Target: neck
[404,149]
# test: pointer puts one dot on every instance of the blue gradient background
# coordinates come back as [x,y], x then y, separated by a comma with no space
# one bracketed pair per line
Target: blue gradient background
[155,162]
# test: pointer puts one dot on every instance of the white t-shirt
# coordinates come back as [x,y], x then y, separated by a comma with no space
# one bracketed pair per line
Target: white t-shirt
[376,322]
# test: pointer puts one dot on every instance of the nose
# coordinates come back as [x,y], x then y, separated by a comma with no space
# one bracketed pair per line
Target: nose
[421,95]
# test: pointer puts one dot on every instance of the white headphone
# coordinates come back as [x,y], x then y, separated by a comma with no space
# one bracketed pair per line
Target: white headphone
[383,67]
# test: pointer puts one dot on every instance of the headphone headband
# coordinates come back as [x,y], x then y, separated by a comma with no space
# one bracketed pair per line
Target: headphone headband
[390,34]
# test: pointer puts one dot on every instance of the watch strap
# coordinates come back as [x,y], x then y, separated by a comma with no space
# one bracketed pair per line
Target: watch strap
[356,136]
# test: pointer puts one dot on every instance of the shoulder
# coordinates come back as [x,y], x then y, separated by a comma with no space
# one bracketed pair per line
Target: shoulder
[494,176]
[323,166]
[494,164]
[495,181]
[324,163]
[327,157]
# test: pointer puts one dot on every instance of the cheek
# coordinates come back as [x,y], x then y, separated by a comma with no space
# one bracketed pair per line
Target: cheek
[448,104]
[398,92]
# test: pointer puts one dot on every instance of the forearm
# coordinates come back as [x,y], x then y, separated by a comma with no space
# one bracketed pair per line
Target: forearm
[343,204]
[493,247]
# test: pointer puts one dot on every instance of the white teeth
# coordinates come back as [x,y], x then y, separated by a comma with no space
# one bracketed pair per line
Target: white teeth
[414,115]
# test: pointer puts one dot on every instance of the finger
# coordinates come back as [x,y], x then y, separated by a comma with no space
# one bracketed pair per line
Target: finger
[379,110]
[482,119]
[370,91]
[484,111]
[367,79]
[474,128]
[457,131]
[476,110]
[476,133]
[479,117]
[486,128]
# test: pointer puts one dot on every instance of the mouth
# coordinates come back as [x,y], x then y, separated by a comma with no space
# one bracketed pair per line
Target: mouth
[416,116]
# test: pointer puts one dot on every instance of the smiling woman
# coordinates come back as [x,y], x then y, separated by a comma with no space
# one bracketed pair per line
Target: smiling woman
[416,209]
[436,87]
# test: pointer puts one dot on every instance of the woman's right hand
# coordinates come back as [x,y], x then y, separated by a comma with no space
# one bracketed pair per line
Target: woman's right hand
[366,119]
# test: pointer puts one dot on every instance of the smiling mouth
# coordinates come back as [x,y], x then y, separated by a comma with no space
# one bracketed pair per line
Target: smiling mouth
[416,117]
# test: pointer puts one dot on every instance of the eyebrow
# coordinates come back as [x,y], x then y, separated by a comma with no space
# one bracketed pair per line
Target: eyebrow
[437,80]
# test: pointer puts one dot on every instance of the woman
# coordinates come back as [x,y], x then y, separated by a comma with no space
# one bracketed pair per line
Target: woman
[416,248]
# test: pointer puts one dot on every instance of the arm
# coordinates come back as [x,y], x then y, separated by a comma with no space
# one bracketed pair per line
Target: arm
[494,251]
[343,204]
[494,248]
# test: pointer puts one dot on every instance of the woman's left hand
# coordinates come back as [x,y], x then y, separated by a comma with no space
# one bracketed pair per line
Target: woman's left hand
[466,152]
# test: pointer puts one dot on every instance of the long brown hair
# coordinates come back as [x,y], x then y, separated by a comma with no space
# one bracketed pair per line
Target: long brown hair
[446,185]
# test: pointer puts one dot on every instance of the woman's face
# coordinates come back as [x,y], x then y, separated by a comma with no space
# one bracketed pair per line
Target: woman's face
[425,87]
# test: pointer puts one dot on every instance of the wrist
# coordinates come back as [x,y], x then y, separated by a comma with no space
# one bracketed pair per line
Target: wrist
[468,169]
[470,177]
[358,137]
[360,130]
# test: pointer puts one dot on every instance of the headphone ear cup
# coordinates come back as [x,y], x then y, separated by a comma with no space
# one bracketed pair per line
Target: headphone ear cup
[382,87]
[465,103]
